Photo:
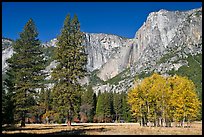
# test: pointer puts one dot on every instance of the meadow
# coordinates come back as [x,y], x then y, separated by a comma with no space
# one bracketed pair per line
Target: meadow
[102,129]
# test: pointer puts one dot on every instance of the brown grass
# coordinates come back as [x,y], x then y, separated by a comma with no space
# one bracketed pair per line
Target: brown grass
[98,129]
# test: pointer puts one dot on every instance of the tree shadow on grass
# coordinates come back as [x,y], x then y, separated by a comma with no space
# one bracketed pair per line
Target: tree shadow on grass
[14,128]
[78,131]
[62,132]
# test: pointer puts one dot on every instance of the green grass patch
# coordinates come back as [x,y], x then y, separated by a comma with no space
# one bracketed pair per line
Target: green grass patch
[115,80]
[193,71]
[94,79]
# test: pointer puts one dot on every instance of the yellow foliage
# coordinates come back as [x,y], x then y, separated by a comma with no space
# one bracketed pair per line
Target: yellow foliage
[48,114]
[172,97]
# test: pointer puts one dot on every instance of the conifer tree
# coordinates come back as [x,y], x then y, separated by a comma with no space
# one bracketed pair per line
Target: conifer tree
[94,103]
[100,106]
[27,65]
[117,103]
[108,106]
[104,107]
[4,105]
[7,107]
[43,104]
[7,98]
[88,101]
[126,113]
[71,57]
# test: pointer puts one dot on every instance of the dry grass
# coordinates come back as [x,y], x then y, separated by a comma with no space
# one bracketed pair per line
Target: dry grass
[98,129]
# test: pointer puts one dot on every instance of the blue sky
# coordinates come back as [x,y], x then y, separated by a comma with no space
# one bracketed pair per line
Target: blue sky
[120,18]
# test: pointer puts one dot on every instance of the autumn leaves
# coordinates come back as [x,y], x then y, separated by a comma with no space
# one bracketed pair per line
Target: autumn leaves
[159,101]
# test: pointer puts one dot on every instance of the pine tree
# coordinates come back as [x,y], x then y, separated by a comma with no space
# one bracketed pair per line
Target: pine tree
[108,106]
[88,103]
[100,107]
[94,103]
[117,103]
[4,105]
[7,98]
[126,113]
[42,104]
[104,107]
[7,107]
[27,65]
[45,99]
[71,58]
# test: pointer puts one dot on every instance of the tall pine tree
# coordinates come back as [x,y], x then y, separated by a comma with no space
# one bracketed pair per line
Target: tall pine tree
[72,60]
[88,103]
[117,103]
[7,98]
[104,107]
[100,107]
[26,67]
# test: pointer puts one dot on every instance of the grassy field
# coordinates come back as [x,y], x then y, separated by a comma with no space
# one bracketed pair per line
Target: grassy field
[103,129]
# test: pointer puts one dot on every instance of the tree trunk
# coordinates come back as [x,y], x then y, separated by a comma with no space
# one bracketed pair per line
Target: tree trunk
[160,121]
[157,122]
[23,120]
[149,123]
[116,118]
[184,116]
[183,122]
[68,122]
[145,121]
[22,123]
[189,124]
[69,119]
[163,122]
[169,124]
[119,118]
[141,124]
[23,112]
[155,119]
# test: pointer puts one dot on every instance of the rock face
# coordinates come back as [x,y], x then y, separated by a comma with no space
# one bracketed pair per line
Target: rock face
[7,52]
[166,30]
[162,31]
[160,45]
[6,43]
[51,43]
[101,48]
